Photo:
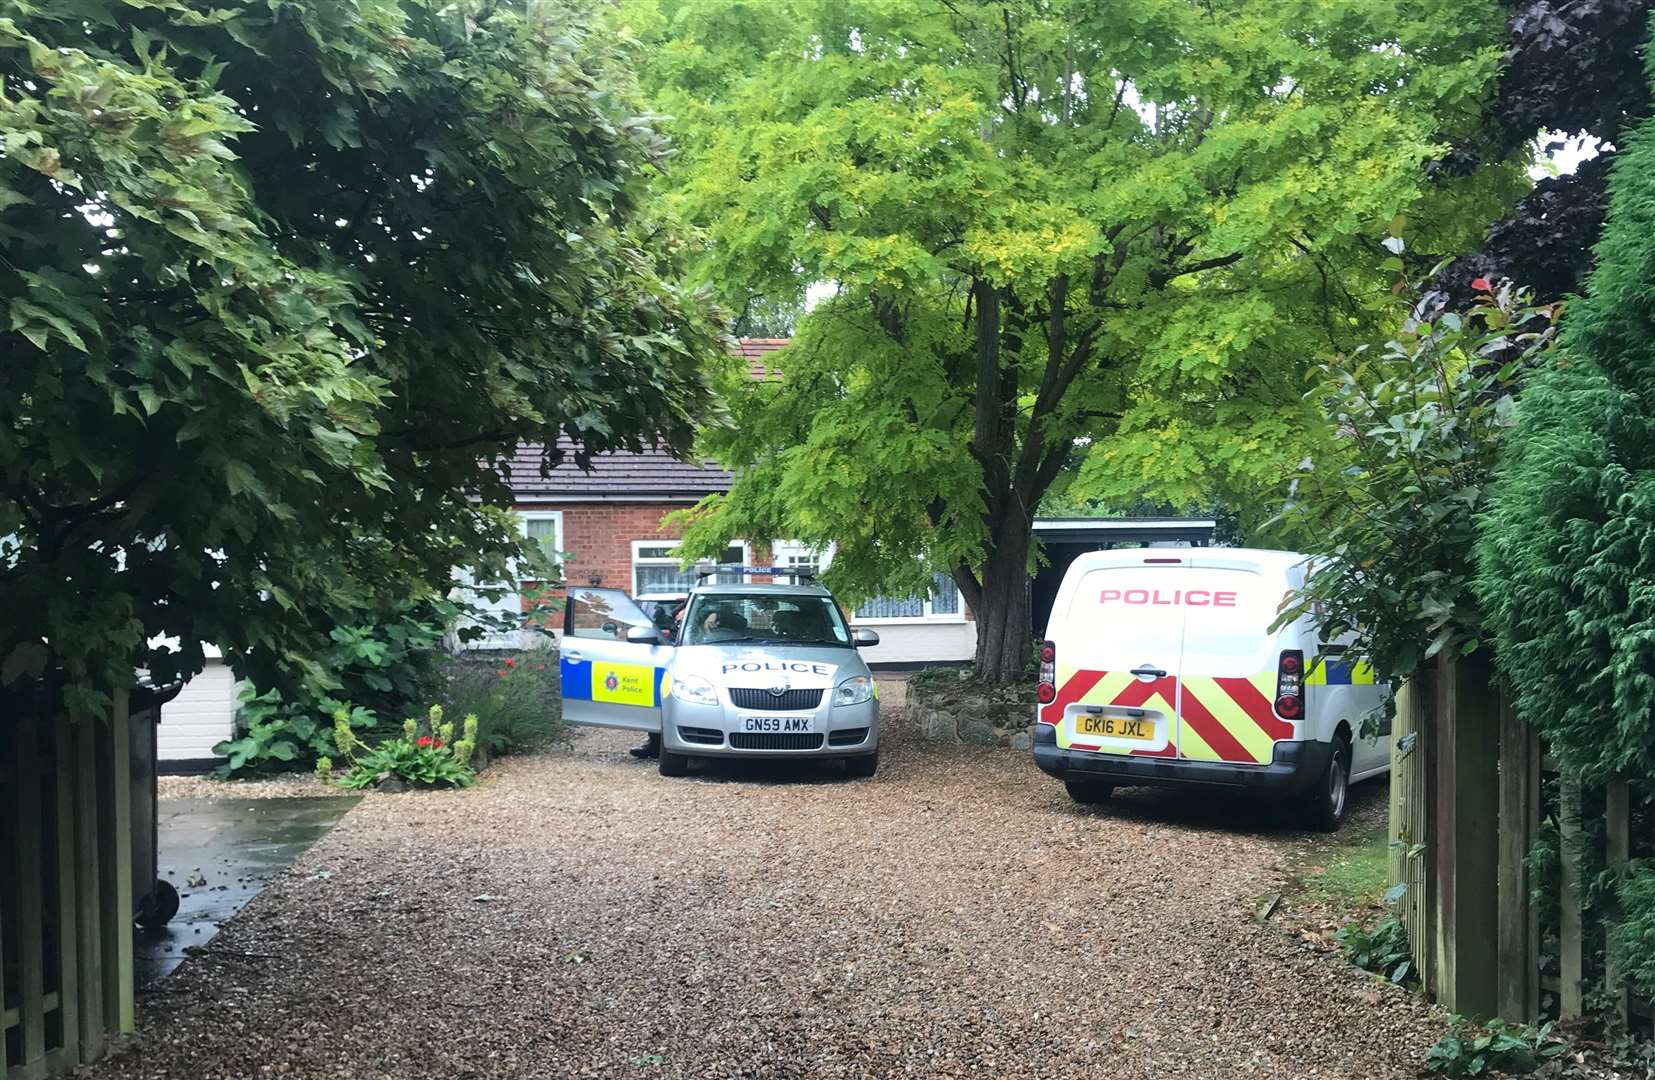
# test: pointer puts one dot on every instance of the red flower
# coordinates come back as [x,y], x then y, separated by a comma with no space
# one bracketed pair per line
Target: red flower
[1481,285]
[510,662]
[502,673]
[423,741]
[437,743]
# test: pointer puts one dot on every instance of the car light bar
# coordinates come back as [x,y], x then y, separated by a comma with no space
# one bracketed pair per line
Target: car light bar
[706,572]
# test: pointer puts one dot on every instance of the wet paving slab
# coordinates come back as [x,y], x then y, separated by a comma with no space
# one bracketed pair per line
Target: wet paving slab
[219,854]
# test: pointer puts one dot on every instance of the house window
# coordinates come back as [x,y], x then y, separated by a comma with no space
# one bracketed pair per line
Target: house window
[655,567]
[545,528]
[796,556]
[943,604]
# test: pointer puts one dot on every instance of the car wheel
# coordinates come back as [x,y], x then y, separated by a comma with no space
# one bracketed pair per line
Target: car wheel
[1088,791]
[1324,807]
[672,764]
[862,767]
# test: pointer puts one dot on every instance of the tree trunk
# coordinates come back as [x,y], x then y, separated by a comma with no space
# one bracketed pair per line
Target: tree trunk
[1004,635]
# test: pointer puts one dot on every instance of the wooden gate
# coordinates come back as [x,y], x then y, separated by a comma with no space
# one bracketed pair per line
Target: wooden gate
[1467,803]
[65,890]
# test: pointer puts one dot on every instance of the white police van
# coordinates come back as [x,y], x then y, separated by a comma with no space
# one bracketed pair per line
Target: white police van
[753,669]
[1159,667]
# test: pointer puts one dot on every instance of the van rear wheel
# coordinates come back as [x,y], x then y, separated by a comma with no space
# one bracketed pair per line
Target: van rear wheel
[1089,792]
[1324,803]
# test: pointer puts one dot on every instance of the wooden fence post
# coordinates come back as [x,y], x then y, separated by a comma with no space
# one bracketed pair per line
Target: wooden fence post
[1618,841]
[29,909]
[1467,802]
[115,854]
[1411,785]
[1517,933]
[1571,966]
[68,961]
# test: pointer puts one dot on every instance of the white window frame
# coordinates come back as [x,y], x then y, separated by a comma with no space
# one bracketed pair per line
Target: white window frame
[781,550]
[672,545]
[554,516]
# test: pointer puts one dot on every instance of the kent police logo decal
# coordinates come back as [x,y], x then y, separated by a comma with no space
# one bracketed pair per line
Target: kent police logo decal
[610,682]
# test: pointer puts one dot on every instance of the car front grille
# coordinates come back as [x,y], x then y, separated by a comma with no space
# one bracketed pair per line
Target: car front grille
[756,740]
[749,697]
[704,736]
[848,737]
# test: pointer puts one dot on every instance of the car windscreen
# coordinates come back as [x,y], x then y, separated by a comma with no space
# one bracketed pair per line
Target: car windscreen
[764,618]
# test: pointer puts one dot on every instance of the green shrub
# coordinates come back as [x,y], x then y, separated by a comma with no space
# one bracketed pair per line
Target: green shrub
[1469,1051]
[1567,570]
[1382,950]
[515,699]
[1632,938]
[1391,495]
[279,736]
[425,755]
[375,671]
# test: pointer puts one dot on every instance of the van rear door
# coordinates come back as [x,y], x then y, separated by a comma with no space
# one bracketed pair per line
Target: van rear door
[1118,640]
[1226,707]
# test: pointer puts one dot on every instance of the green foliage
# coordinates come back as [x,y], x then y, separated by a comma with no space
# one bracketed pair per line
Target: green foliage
[281,736]
[1468,1050]
[1567,568]
[1392,492]
[424,755]
[374,671]
[1126,223]
[1632,937]
[515,700]
[283,283]
[1382,950]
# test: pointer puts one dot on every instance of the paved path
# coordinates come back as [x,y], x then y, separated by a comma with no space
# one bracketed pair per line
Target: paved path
[578,915]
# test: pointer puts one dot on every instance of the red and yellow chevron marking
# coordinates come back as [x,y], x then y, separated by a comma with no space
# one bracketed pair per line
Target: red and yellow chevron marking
[1223,719]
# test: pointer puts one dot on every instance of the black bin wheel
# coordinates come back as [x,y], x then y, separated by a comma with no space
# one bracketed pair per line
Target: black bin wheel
[158,907]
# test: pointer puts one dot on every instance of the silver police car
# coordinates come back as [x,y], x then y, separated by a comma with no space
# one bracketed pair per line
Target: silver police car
[744,669]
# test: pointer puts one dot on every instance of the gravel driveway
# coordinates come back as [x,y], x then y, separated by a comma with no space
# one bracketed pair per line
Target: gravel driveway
[579,915]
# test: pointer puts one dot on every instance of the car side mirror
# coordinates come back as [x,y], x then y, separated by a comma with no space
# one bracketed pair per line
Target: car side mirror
[643,635]
[863,639]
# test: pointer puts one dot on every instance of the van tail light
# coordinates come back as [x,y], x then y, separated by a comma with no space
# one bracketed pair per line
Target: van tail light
[1046,693]
[1290,684]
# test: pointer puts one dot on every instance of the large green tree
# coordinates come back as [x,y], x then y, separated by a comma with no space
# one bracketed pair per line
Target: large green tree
[281,282]
[1112,234]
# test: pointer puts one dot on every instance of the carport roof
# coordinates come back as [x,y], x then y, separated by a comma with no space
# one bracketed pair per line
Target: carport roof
[1119,530]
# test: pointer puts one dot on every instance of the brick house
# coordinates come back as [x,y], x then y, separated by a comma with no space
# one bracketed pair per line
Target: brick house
[609,523]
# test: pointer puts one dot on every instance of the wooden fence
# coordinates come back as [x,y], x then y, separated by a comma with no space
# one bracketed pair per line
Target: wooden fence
[65,890]
[1468,806]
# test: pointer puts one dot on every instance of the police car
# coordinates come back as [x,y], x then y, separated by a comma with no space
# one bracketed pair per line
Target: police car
[755,669]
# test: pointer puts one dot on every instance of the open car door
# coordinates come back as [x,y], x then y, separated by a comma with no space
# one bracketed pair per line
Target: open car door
[608,680]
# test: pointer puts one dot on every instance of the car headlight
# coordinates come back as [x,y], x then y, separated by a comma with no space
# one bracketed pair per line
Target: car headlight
[694,689]
[854,691]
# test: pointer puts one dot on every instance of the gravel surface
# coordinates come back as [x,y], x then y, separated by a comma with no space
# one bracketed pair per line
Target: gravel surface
[578,915]
[288,786]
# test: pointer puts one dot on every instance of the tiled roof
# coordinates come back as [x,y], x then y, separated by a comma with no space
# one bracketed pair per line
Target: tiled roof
[755,350]
[650,474]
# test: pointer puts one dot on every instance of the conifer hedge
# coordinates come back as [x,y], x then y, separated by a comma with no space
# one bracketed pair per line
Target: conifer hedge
[1567,556]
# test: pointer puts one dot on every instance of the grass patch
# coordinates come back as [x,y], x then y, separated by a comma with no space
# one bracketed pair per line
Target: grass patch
[1351,872]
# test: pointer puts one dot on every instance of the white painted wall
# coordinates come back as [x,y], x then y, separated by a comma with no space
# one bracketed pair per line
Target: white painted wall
[921,643]
[201,716]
